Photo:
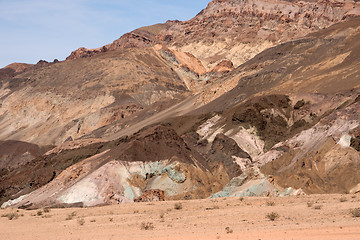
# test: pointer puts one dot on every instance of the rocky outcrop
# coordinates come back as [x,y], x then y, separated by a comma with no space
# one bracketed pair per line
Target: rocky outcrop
[224,66]
[85,53]
[153,195]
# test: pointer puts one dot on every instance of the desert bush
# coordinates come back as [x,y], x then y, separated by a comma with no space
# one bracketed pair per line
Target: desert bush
[317,207]
[39,213]
[11,216]
[270,203]
[343,199]
[147,226]
[81,221]
[355,212]
[71,216]
[272,216]
[178,206]
[228,230]
[46,210]
[310,204]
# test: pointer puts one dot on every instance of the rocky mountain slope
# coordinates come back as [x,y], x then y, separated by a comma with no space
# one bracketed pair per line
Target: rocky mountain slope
[195,109]
[236,30]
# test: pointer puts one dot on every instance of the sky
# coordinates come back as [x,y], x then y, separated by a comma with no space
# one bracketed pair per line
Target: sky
[33,30]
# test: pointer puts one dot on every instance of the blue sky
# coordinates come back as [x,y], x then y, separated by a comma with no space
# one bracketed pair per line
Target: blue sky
[31,30]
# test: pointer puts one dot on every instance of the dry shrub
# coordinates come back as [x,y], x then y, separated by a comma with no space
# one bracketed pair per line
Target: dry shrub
[81,221]
[11,216]
[178,206]
[343,199]
[272,216]
[228,230]
[317,207]
[71,216]
[147,226]
[355,212]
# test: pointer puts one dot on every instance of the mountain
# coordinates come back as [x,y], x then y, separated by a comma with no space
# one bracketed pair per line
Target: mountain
[248,98]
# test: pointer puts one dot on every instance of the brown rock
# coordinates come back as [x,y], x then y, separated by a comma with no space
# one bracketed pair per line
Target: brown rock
[153,195]
[223,67]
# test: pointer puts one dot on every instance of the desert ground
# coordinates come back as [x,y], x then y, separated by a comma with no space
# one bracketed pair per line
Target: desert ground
[301,217]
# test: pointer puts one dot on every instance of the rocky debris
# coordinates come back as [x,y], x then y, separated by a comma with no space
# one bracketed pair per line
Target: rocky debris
[151,196]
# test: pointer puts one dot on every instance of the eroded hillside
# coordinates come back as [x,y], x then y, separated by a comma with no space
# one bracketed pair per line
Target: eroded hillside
[162,113]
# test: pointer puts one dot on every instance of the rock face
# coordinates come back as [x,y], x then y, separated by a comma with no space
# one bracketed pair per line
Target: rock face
[191,109]
[155,163]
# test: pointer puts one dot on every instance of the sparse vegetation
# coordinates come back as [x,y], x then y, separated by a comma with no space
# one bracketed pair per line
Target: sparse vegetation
[272,216]
[39,213]
[228,230]
[11,216]
[270,203]
[212,208]
[343,199]
[355,212]
[147,226]
[71,216]
[317,207]
[310,204]
[81,221]
[46,210]
[178,206]
[93,220]
[111,219]
[241,199]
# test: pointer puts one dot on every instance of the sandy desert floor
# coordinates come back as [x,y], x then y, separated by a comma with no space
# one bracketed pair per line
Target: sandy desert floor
[306,217]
